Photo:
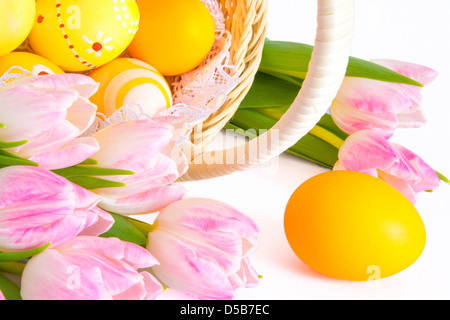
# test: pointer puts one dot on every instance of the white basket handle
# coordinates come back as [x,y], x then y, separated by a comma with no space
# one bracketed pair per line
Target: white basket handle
[325,75]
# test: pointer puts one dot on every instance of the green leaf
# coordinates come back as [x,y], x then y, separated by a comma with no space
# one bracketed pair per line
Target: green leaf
[9,289]
[88,162]
[144,227]
[442,177]
[13,267]
[292,59]
[269,91]
[91,183]
[7,145]
[9,154]
[90,171]
[126,231]
[19,256]
[2,125]
[11,161]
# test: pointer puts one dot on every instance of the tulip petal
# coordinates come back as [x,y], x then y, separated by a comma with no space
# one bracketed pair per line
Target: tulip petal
[91,268]
[98,221]
[245,277]
[163,171]
[184,270]
[84,85]
[399,184]
[365,150]
[138,142]
[378,96]
[369,151]
[34,109]
[73,153]
[148,289]
[49,276]
[38,207]
[118,261]
[209,215]
[217,231]
[417,72]
[18,184]
[427,178]
[351,120]
[152,285]
[54,138]
[129,253]
[149,201]
[82,114]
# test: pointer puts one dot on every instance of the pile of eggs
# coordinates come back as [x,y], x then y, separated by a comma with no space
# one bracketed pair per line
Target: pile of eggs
[162,38]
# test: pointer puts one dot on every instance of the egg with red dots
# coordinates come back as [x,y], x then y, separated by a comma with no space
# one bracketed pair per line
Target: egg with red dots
[80,35]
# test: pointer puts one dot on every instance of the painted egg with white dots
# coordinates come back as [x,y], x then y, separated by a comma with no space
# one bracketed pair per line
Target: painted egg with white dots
[80,35]
[132,83]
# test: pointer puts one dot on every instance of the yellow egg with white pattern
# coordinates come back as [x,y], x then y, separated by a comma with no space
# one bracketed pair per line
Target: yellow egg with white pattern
[133,83]
[80,35]
[25,63]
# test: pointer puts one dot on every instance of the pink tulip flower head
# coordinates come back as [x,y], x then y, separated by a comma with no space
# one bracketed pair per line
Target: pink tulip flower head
[90,268]
[367,104]
[50,113]
[203,247]
[38,207]
[2,297]
[369,151]
[148,148]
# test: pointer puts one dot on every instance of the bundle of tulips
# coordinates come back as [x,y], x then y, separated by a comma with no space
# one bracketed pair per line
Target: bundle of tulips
[65,202]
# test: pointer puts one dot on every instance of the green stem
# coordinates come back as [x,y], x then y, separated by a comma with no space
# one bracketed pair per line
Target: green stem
[144,227]
[9,289]
[327,136]
[12,267]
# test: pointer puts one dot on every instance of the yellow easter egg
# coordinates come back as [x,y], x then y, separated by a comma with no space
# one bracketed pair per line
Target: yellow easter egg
[174,36]
[16,21]
[14,62]
[80,35]
[352,226]
[130,82]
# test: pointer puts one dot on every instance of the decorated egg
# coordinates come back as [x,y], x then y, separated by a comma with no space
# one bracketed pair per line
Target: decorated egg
[174,36]
[130,82]
[14,62]
[353,226]
[80,35]
[16,21]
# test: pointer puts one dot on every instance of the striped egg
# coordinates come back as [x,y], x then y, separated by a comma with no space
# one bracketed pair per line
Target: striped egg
[130,82]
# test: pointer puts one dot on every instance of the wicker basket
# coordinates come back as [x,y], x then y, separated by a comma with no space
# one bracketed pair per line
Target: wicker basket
[247,22]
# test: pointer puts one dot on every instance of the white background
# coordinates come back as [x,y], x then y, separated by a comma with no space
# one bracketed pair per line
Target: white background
[410,30]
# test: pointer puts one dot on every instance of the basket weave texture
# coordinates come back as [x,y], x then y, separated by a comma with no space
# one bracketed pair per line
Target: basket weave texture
[247,23]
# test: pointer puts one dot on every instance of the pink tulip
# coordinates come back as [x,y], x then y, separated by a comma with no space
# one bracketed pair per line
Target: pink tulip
[203,247]
[368,104]
[90,268]
[49,112]
[148,148]
[2,297]
[369,151]
[38,207]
